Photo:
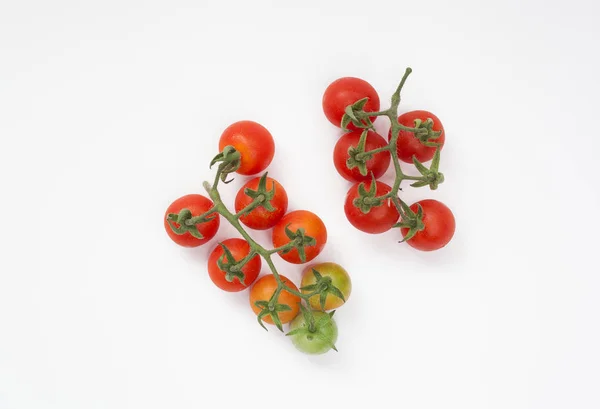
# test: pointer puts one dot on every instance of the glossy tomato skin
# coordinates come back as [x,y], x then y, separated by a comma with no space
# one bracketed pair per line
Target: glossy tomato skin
[313,227]
[409,145]
[198,205]
[339,278]
[379,219]
[319,342]
[264,288]
[239,249]
[346,91]
[253,141]
[260,218]
[378,164]
[439,226]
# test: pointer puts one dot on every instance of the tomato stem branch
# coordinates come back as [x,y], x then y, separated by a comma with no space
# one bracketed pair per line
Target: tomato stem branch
[366,154]
[255,248]
[429,176]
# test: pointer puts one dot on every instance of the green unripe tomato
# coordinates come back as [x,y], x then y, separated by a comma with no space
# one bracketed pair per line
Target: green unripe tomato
[316,342]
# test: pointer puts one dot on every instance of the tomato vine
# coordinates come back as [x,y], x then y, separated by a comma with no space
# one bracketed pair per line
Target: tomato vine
[423,130]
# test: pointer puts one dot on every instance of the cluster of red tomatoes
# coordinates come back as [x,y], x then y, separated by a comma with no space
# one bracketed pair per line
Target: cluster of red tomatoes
[438,222]
[311,331]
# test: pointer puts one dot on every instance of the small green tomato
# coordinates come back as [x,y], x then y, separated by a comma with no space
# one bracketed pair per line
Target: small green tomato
[316,339]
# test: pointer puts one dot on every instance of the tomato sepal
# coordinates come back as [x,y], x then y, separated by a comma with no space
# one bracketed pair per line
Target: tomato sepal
[273,310]
[187,223]
[432,177]
[230,161]
[261,196]
[424,132]
[323,331]
[300,240]
[356,155]
[350,116]
[409,220]
[367,199]
[323,287]
[233,267]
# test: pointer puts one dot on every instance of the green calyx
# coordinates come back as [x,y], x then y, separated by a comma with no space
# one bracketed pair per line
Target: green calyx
[357,157]
[367,199]
[187,223]
[230,161]
[299,241]
[409,220]
[352,114]
[313,326]
[231,266]
[424,132]
[431,176]
[272,309]
[262,196]
[323,287]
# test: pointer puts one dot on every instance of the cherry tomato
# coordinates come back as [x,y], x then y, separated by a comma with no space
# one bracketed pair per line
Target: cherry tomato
[313,226]
[197,205]
[253,141]
[378,163]
[439,226]
[409,145]
[264,289]
[318,341]
[260,218]
[346,91]
[379,219]
[335,276]
[239,249]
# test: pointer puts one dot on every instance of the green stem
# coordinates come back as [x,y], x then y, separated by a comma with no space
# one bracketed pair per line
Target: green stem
[362,155]
[372,114]
[406,177]
[240,264]
[217,177]
[285,247]
[398,203]
[253,205]
[281,284]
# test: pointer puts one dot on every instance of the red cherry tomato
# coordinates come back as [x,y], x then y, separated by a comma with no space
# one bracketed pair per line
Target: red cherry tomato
[379,219]
[260,218]
[253,141]
[409,145]
[346,91]
[378,163]
[197,204]
[439,226]
[313,226]
[239,249]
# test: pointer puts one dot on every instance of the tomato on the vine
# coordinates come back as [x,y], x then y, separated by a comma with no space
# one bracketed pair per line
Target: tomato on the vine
[316,340]
[239,249]
[264,289]
[346,91]
[332,275]
[379,219]
[377,165]
[409,144]
[313,227]
[197,205]
[260,218]
[439,226]
[253,141]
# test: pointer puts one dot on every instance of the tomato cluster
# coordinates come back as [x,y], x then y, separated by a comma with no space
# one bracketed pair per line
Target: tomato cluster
[362,156]
[298,237]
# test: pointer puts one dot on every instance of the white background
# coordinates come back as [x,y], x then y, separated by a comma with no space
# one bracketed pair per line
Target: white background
[110,110]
